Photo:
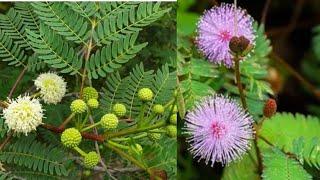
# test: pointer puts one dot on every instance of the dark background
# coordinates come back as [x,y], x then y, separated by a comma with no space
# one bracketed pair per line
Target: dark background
[290,26]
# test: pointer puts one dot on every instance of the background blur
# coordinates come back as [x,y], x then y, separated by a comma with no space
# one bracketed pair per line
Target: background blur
[294,71]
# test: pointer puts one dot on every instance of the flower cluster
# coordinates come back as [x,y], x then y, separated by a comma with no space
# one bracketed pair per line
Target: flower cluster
[216,28]
[52,87]
[23,114]
[219,130]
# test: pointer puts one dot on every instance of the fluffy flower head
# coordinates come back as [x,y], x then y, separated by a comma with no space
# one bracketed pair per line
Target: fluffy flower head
[216,28]
[23,114]
[219,130]
[52,87]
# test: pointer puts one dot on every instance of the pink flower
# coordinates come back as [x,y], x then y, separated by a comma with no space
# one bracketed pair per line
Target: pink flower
[217,26]
[219,130]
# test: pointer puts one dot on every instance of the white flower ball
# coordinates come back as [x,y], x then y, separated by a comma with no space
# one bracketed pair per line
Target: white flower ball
[52,87]
[23,114]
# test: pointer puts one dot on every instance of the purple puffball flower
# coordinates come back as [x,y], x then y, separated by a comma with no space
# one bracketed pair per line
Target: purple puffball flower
[217,26]
[219,130]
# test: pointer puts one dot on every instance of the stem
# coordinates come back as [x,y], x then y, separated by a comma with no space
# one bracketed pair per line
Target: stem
[118,145]
[90,127]
[85,135]
[3,144]
[85,119]
[127,156]
[17,82]
[295,74]
[37,94]
[265,12]
[82,153]
[239,84]
[87,56]
[135,130]
[128,139]
[65,122]
[259,158]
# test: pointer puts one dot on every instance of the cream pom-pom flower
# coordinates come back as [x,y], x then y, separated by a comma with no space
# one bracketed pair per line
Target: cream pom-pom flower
[23,114]
[52,87]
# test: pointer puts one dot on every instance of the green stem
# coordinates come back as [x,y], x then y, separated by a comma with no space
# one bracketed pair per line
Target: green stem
[135,130]
[118,145]
[85,119]
[128,157]
[239,84]
[37,94]
[90,127]
[135,137]
[141,118]
[65,122]
[82,153]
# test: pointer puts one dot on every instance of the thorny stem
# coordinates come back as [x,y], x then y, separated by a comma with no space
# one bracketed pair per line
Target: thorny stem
[17,82]
[118,145]
[299,77]
[239,84]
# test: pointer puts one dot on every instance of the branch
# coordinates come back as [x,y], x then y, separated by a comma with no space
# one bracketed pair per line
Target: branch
[265,12]
[89,136]
[299,77]
[17,82]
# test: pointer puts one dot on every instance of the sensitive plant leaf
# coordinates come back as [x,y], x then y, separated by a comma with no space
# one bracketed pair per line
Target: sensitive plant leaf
[278,166]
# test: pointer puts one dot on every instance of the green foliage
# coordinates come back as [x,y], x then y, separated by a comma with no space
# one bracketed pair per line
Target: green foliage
[159,157]
[62,20]
[278,166]
[129,21]
[316,42]
[112,56]
[125,90]
[285,131]
[51,48]
[240,170]
[3,128]
[36,156]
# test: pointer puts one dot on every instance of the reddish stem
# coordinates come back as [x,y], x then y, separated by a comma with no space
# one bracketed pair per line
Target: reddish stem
[85,135]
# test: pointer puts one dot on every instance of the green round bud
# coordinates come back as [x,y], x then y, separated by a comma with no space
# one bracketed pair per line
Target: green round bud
[158,109]
[136,149]
[172,131]
[71,137]
[78,106]
[145,94]
[90,93]
[174,109]
[91,160]
[109,121]
[93,103]
[173,119]
[119,109]
[154,136]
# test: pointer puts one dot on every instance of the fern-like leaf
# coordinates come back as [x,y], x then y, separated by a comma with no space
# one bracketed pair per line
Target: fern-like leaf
[112,92]
[112,56]
[278,166]
[138,78]
[34,155]
[308,152]
[127,22]
[29,18]
[164,84]
[283,129]
[10,51]
[63,20]
[51,48]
